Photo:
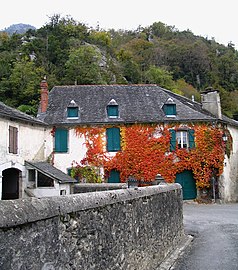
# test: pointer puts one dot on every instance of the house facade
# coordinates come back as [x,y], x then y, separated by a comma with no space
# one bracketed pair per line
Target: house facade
[139,131]
[24,138]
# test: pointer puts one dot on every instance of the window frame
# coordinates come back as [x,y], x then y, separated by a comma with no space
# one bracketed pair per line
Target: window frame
[187,134]
[110,113]
[13,140]
[182,140]
[73,109]
[170,110]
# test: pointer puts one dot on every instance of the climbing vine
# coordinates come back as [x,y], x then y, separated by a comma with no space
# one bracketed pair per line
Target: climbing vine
[145,152]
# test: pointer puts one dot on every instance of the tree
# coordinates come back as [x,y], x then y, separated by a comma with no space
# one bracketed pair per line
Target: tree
[24,84]
[83,66]
[130,69]
[161,77]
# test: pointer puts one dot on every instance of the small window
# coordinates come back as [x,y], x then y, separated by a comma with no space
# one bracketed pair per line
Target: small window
[112,111]
[182,139]
[62,192]
[169,109]
[13,140]
[72,112]
[61,140]
[113,139]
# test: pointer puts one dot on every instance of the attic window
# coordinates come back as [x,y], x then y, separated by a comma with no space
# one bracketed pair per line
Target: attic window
[72,110]
[112,109]
[169,108]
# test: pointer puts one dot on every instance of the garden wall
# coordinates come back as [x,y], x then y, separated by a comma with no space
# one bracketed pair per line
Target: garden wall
[131,229]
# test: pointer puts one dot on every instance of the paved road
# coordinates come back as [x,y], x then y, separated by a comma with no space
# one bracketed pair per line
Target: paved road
[215,231]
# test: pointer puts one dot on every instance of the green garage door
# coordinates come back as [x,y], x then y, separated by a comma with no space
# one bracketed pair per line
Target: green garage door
[185,179]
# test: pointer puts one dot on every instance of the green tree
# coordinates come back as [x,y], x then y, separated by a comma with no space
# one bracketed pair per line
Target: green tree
[83,66]
[24,84]
[161,77]
[130,69]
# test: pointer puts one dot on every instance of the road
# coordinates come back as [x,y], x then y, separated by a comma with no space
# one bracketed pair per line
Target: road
[215,243]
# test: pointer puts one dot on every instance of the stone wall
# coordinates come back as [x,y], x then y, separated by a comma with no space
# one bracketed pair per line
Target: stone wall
[127,229]
[91,187]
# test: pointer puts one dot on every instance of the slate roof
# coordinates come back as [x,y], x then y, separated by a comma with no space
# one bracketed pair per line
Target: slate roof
[51,171]
[8,112]
[137,103]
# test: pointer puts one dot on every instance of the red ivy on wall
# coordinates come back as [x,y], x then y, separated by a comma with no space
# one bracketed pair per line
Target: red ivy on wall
[145,152]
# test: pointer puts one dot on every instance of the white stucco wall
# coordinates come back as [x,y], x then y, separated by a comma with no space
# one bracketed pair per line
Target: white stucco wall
[32,146]
[51,191]
[31,142]
[229,180]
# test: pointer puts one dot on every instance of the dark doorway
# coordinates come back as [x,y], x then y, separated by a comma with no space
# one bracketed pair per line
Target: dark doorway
[10,184]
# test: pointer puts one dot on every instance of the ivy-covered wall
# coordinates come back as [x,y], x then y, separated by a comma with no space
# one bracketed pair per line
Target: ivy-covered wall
[148,150]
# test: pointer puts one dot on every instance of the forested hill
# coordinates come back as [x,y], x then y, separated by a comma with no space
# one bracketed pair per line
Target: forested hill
[19,28]
[69,52]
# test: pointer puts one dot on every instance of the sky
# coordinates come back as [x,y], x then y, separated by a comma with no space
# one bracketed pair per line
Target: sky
[208,18]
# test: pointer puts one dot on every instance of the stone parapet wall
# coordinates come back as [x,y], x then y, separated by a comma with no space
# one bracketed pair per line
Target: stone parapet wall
[91,187]
[131,229]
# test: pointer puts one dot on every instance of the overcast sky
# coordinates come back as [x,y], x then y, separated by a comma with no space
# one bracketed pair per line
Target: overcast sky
[208,18]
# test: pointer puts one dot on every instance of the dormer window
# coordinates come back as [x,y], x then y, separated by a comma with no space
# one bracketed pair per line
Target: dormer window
[72,110]
[112,109]
[169,108]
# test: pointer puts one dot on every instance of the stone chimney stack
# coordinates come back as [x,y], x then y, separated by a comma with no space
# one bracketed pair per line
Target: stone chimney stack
[211,102]
[44,95]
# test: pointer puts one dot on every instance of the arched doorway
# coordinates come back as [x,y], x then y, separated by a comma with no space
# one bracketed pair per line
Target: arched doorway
[186,180]
[10,184]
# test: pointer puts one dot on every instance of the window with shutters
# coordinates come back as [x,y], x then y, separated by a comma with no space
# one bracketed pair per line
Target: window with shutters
[182,139]
[61,140]
[169,108]
[72,112]
[112,111]
[13,140]
[113,139]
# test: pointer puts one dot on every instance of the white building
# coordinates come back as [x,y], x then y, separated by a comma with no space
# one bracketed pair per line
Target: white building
[24,138]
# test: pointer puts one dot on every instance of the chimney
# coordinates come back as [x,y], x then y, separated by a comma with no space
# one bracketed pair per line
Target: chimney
[211,101]
[44,96]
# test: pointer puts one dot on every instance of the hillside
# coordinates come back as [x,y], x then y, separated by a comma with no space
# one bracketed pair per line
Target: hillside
[19,28]
[69,52]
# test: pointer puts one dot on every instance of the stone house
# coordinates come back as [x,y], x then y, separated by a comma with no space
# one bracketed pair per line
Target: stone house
[196,145]
[24,149]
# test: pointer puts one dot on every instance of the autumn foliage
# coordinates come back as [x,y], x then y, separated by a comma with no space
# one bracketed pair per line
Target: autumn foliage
[145,152]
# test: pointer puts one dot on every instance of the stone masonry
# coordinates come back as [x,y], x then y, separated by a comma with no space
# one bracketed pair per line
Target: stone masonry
[127,229]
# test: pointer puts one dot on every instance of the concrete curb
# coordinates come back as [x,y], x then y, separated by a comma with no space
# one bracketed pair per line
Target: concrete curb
[169,262]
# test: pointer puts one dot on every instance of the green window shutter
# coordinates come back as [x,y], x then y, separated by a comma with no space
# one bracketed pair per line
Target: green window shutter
[114,177]
[113,139]
[72,112]
[191,138]
[112,110]
[172,140]
[61,140]
[170,109]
